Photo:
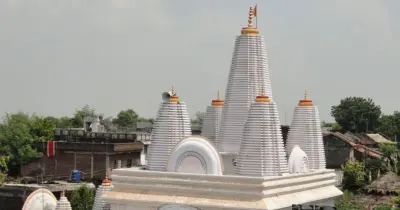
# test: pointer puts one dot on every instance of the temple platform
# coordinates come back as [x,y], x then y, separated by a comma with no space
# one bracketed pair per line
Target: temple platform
[140,189]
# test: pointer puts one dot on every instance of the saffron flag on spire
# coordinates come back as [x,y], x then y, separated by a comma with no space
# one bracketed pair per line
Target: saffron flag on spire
[255,11]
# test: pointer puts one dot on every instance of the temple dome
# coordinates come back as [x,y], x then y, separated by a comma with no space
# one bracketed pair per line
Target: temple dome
[195,154]
[262,152]
[172,124]
[40,199]
[212,120]
[306,132]
[298,161]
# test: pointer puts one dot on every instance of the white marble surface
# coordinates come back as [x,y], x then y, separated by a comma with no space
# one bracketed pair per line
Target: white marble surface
[248,73]
[306,132]
[262,152]
[171,126]
[211,123]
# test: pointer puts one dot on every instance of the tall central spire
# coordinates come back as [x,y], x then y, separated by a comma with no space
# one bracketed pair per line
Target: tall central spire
[248,74]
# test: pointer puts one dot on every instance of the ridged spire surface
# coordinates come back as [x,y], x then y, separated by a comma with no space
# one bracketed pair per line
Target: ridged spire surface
[171,126]
[212,120]
[63,203]
[248,73]
[99,203]
[262,152]
[306,132]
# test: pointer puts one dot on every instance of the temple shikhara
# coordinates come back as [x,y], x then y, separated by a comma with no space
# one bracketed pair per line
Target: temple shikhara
[240,161]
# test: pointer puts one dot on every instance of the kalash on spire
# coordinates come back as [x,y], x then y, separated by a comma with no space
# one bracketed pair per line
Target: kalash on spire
[248,73]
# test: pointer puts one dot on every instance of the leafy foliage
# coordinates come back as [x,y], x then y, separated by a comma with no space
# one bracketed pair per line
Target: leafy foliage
[82,198]
[126,118]
[353,175]
[199,118]
[346,203]
[356,114]
[383,207]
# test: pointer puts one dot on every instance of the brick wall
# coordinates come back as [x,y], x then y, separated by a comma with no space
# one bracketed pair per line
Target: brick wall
[60,166]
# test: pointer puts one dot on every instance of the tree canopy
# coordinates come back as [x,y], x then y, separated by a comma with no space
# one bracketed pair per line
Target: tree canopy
[357,114]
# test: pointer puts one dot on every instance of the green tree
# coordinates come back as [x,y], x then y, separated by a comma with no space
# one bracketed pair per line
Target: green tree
[387,125]
[16,139]
[353,175]
[42,129]
[199,118]
[356,114]
[126,118]
[82,198]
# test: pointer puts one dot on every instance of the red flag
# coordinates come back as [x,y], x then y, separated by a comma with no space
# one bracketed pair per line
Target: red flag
[51,148]
[255,11]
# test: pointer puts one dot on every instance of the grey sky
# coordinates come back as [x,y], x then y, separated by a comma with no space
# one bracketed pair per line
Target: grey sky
[56,56]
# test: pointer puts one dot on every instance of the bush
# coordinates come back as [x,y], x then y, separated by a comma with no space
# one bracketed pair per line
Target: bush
[383,207]
[353,175]
[82,198]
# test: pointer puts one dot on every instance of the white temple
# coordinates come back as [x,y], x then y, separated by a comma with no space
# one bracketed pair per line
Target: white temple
[248,170]
[212,120]
[305,131]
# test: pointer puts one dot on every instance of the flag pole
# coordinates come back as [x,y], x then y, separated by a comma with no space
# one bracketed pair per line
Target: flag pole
[256,16]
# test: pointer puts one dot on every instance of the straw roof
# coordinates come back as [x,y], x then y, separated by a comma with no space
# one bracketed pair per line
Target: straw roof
[385,184]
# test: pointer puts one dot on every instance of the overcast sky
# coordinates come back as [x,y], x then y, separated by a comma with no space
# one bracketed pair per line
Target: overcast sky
[56,56]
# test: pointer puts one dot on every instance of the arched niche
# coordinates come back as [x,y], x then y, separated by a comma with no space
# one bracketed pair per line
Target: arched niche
[195,155]
[298,161]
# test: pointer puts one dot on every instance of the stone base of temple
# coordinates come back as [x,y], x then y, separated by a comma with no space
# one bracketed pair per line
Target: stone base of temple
[139,189]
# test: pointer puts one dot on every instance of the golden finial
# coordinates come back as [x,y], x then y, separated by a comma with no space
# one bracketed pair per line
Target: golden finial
[174,97]
[262,97]
[63,193]
[262,89]
[305,101]
[250,17]
[249,29]
[217,101]
[305,94]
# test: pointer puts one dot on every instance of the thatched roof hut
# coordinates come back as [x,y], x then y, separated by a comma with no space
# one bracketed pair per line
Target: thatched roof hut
[386,184]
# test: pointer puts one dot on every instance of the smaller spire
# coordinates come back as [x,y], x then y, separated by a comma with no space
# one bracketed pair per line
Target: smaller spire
[173,90]
[218,94]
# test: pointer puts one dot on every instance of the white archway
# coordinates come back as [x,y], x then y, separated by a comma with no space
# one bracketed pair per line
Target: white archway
[197,155]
